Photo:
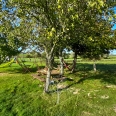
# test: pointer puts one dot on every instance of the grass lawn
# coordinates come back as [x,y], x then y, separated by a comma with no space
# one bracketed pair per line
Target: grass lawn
[85,93]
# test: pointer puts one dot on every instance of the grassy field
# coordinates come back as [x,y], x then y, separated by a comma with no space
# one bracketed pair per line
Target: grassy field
[84,93]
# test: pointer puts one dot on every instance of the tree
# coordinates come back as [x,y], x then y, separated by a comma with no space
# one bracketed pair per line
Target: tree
[8,50]
[95,28]
[45,24]
[48,23]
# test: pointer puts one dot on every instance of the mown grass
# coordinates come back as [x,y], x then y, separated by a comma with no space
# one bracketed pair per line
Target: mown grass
[85,93]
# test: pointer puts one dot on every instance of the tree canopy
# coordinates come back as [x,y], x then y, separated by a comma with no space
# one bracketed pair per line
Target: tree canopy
[50,23]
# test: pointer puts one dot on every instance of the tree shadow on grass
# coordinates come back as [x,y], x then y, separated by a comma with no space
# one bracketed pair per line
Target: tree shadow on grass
[99,66]
[103,76]
[106,74]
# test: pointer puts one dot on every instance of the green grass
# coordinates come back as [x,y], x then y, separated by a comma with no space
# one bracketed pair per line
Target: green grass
[88,94]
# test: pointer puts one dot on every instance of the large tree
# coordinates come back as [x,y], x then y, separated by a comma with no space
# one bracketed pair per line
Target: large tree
[49,22]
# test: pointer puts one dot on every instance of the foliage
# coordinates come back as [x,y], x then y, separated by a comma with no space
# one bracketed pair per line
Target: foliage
[8,50]
[53,24]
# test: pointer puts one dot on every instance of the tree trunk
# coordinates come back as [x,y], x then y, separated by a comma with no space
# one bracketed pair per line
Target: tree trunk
[49,63]
[94,65]
[74,63]
[49,55]
[48,58]
[61,63]
[61,67]
[47,80]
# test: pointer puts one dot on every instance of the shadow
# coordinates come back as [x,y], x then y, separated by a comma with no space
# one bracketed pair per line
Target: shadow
[106,73]
[99,66]
[61,80]
[84,67]
[61,89]
[105,77]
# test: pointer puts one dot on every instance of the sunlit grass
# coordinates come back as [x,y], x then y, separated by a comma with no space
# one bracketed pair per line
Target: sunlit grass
[88,94]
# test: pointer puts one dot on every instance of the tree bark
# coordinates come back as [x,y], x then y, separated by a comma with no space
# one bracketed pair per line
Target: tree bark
[94,65]
[74,62]
[49,55]
[61,67]
[48,58]
[47,80]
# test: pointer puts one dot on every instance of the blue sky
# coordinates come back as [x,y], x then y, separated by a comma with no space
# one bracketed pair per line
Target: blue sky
[113,52]
[114,28]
